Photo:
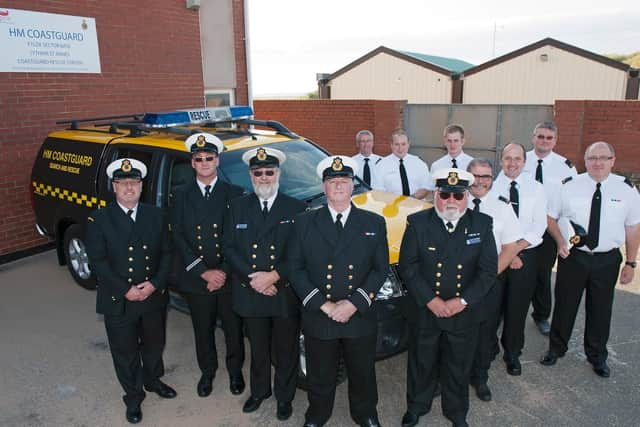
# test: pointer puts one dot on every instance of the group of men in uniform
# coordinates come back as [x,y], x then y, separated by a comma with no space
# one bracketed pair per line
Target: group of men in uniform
[469,261]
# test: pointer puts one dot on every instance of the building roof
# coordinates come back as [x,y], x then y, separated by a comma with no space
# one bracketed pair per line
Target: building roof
[452,64]
[439,64]
[549,42]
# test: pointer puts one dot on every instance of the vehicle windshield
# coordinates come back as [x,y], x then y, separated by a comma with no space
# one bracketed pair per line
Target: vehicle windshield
[297,175]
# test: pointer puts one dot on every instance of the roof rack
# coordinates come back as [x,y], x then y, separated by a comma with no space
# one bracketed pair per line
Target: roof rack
[74,122]
[277,126]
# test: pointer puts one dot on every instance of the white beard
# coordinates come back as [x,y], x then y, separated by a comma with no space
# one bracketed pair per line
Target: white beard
[265,191]
[449,215]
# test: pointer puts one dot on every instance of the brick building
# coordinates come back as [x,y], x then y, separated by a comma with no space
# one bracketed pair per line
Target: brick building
[154,56]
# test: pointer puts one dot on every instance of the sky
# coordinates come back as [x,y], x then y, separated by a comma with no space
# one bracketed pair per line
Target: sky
[292,40]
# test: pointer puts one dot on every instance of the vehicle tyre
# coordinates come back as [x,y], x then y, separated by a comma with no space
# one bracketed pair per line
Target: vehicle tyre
[75,253]
[302,367]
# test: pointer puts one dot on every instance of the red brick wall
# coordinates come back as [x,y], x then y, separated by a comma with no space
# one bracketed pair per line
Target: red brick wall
[242,81]
[617,122]
[150,59]
[333,124]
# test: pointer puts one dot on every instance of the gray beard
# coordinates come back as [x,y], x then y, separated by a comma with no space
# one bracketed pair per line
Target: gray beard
[449,215]
[265,191]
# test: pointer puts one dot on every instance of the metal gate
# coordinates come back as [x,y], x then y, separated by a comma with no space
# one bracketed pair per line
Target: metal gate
[488,128]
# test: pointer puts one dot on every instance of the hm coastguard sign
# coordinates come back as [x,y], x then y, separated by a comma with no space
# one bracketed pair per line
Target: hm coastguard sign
[47,43]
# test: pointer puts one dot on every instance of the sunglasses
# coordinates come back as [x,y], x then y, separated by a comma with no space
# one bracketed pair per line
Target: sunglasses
[483,176]
[547,137]
[204,159]
[445,195]
[258,174]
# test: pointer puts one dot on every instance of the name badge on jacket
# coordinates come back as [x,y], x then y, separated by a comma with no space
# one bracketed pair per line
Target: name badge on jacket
[241,226]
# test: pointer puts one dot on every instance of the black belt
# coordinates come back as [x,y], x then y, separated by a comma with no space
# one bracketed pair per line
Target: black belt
[579,251]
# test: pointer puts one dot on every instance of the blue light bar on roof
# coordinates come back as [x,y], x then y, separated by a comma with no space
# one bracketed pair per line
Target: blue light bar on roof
[197,116]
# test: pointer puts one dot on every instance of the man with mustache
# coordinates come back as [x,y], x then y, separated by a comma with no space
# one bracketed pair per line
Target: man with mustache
[448,262]
[508,237]
[257,228]
[129,249]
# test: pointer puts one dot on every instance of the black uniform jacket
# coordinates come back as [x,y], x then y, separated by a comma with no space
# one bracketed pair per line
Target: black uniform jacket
[123,253]
[434,262]
[197,226]
[324,267]
[253,243]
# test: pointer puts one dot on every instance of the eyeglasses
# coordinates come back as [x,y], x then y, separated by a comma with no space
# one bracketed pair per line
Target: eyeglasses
[444,195]
[483,176]
[204,159]
[594,159]
[268,172]
[547,137]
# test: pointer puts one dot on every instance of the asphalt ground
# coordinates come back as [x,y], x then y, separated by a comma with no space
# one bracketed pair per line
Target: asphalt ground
[56,370]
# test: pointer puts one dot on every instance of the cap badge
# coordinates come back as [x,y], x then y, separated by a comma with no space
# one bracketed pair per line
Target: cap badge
[126,165]
[337,164]
[575,239]
[453,178]
[201,141]
[261,154]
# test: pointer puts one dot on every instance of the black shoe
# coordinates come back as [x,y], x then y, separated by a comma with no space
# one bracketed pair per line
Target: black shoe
[236,384]
[311,424]
[409,419]
[370,422]
[513,366]
[253,403]
[162,390]
[460,423]
[602,370]
[134,415]
[284,411]
[549,359]
[205,386]
[483,392]
[543,326]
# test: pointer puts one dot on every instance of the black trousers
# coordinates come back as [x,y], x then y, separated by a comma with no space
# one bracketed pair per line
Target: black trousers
[487,347]
[322,368]
[436,354]
[541,301]
[204,311]
[519,289]
[136,340]
[597,275]
[278,336]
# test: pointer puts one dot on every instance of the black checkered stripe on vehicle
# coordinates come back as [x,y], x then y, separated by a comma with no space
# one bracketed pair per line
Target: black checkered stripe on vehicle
[67,195]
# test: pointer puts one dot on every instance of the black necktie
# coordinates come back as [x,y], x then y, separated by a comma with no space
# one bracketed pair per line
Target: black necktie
[476,202]
[539,171]
[366,172]
[594,219]
[265,209]
[207,191]
[450,227]
[515,199]
[130,215]
[404,179]
[339,223]
[453,163]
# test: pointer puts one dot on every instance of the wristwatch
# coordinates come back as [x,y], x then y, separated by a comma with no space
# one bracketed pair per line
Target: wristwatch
[631,264]
[463,301]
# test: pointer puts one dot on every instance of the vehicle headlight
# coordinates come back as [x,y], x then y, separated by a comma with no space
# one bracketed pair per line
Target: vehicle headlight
[392,287]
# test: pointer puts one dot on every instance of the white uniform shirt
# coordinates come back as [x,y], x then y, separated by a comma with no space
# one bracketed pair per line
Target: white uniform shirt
[532,205]
[555,169]
[374,159]
[445,162]
[620,207]
[389,173]
[506,228]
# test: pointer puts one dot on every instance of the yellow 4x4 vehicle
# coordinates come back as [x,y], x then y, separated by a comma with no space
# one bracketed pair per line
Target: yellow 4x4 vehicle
[69,181]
